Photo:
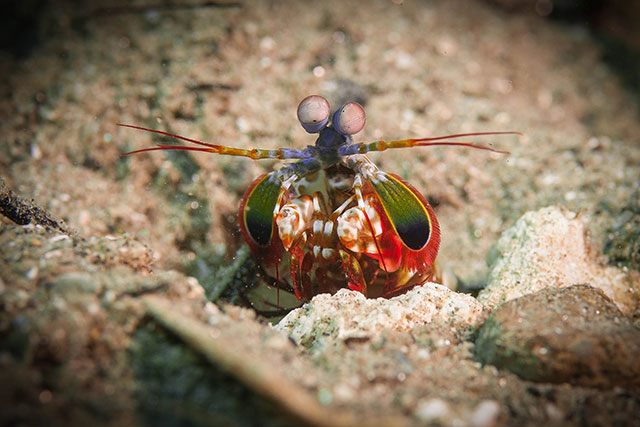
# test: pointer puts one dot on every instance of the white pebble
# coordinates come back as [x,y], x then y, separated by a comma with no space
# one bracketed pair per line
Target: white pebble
[486,414]
[432,409]
[243,125]
[32,273]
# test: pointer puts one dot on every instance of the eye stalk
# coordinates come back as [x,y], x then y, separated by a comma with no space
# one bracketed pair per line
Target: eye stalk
[313,113]
[349,119]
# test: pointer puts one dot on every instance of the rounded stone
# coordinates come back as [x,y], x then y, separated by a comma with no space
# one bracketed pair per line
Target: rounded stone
[573,334]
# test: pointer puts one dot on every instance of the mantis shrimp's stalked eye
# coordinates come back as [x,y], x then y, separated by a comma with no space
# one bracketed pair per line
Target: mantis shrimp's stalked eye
[349,119]
[313,113]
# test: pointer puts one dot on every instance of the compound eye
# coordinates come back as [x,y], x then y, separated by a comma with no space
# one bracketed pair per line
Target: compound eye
[349,119]
[313,113]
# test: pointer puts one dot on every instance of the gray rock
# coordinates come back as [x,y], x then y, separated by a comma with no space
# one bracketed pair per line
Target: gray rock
[349,315]
[549,248]
[573,334]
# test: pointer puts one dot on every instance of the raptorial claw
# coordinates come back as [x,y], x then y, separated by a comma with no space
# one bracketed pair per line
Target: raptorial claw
[293,219]
[354,273]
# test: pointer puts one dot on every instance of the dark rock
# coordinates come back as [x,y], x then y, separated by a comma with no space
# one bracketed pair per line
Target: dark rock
[574,334]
